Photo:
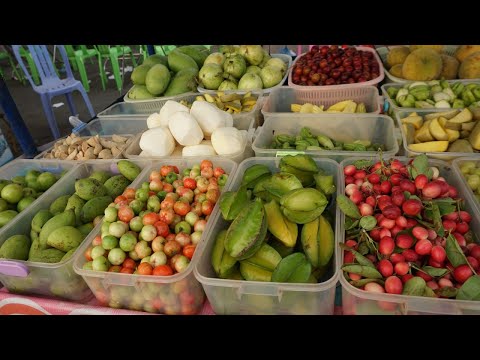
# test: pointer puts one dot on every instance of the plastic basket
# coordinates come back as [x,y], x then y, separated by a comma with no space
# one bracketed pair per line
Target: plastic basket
[359,302]
[133,150]
[445,156]
[345,128]
[111,126]
[456,164]
[177,294]
[108,137]
[383,52]
[280,99]
[252,297]
[286,58]
[57,279]
[341,86]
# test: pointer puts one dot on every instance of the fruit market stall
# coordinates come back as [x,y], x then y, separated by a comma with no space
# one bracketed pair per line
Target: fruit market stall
[238,195]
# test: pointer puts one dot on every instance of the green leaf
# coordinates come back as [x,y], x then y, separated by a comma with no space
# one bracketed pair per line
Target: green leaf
[446,206]
[420,166]
[362,260]
[350,223]
[348,207]
[470,290]
[448,292]
[426,224]
[435,272]
[363,248]
[454,253]
[415,197]
[365,271]
[429,292]
[363,164]
[363,282]
[415,286]
[368,222]
[437,220]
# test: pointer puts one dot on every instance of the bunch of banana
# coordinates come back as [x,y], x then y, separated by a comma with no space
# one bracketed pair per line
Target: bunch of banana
[347,106]
[231,103]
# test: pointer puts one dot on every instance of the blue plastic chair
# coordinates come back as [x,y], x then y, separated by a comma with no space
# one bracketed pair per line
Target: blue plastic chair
[51,85]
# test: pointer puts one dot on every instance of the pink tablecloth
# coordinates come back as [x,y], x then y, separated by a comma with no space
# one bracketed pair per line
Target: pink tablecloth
[30,305]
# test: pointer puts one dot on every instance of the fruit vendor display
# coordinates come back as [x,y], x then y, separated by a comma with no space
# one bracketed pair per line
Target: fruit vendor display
[435,94]
[407,232]
[245,67]
[19,192]
[154,231]
[168,75]
[333,65]
[307,140]
[202,130]
[452,131]
[471,171]
[58,230]
[346,106]
[429,62]
[280,230]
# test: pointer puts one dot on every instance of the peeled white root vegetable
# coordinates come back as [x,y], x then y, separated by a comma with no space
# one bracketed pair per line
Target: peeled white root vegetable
[228,140]
[210,117]
[170,108]
[185,129]
[157,142]
[199,150]
[153,121]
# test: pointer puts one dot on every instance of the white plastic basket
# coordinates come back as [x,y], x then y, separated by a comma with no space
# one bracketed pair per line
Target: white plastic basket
[324,87]
[280,99]
[286,58]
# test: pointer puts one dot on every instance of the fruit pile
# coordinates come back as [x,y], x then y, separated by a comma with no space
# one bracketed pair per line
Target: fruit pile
[471,172]
[306,140]
[168,75]
[436,94]
[346,106]
[428,62]
[333,65]
[279,228]
[154,230]
[452,131]
[407,232]
[245,67]
[18,193]
[231,103]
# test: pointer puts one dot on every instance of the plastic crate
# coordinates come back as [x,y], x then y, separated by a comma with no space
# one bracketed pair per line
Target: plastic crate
[383,52]
[140,110]
[345,128]
[375,81]
[456,164]
[144,292]
[133,150]
[108,137]
[20,167]
[110,126]
[394,108]
[286,58]
[360,302]
[445,156]
[58,279]
[280,99]
[255,297]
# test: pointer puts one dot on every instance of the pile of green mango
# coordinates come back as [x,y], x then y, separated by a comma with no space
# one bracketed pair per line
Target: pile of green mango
[168,75]
[19,192]
[280,230]
[57,232]
[306,140]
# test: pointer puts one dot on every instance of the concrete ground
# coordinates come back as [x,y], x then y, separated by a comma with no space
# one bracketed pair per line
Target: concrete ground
[31,110]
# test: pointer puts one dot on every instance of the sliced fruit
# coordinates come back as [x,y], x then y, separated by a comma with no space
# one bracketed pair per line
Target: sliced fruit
[468,126]
[452,135]
[423,134]
[416,121]
[446,114]
[437,131]
[463,117]
[430,146]
[409,130]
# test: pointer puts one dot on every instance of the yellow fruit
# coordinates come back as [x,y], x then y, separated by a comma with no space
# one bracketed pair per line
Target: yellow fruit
[409,130]
[437,48]
[396,70]
[295,107]
[450,67]
[350,107]
[397,56]
[468,126]
[464,116]
[470,67]
[474,137]
[422,65]
[416,121]
[306,108]
[437,131]
[430,146]
[465,50]
[423,134]
[446,114]
[452,135]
